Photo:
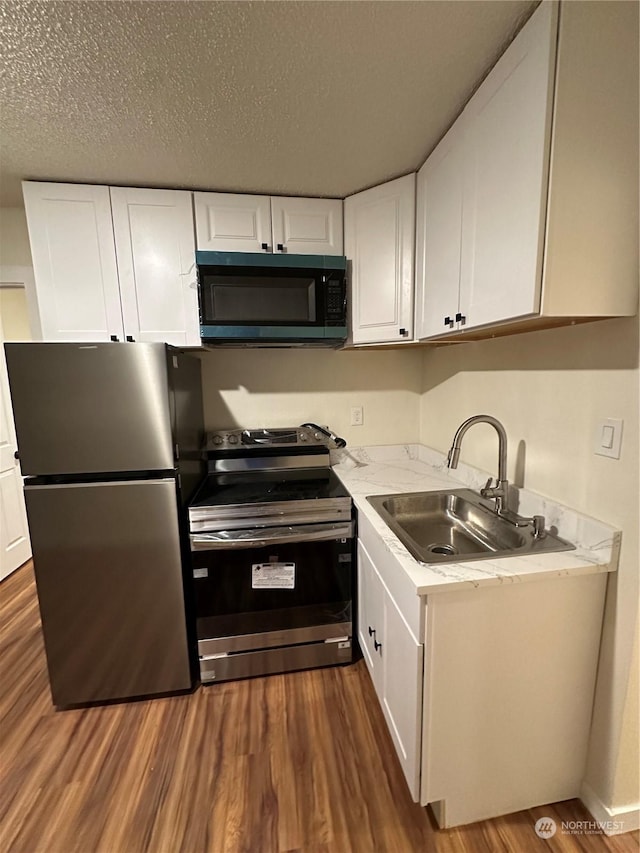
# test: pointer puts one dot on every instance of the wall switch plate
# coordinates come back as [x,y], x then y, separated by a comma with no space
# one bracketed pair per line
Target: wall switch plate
[608,438]
[357,416]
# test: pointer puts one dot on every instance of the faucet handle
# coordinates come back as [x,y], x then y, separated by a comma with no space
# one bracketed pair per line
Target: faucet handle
[538,526]
[487,487]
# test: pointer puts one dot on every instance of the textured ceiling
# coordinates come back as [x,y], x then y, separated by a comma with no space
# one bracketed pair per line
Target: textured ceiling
[304,98]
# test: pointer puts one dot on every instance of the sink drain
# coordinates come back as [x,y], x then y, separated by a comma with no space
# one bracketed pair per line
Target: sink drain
[449,550]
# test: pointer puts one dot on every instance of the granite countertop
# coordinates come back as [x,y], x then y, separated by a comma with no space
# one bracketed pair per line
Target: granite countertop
[390,469]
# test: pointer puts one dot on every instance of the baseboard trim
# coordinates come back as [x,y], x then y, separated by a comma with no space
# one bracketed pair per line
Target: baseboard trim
[613,821]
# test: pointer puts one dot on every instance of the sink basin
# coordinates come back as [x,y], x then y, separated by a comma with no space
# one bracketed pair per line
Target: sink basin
[455,526]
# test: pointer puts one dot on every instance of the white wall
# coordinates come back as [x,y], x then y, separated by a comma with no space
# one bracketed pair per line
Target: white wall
[256,388]
[14,238]
[14,313]
[549,388]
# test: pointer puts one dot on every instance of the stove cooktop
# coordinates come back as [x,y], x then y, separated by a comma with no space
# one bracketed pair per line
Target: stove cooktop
[239,489]
[276,477]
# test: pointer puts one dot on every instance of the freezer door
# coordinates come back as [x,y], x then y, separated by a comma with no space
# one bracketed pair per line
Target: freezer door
[90,408]
[110,585]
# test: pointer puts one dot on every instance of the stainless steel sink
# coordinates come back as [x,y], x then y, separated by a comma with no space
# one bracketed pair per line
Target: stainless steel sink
[455,526]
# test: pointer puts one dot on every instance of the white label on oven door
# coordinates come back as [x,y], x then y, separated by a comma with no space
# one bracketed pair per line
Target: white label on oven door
[273,576]
[201,573]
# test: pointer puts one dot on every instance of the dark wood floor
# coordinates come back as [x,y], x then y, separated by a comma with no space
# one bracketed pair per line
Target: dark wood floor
[298,762]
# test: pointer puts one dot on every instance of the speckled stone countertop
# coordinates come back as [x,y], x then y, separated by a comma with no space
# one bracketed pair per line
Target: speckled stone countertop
[390,469]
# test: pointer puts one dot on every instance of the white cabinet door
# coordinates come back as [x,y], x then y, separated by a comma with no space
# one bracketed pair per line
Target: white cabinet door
[156,262]
[394,659]
[74,261]
[307,226]
[503,226]
[402,690]
[370,616]
[379,241]
[229,222]
[439,234]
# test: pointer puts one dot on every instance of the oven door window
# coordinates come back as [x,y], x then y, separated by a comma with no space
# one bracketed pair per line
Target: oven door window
[272,297]
[231,602]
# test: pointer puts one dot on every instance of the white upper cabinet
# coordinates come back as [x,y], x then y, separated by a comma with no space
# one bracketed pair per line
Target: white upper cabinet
[113,263]
[229,222]
[482,192]
[155,250]
[74,261]
[439,235]
[379,242]
[307,226]
[506,180]
[530,201]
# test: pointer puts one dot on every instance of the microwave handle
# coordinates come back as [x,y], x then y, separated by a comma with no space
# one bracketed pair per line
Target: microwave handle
[262,537]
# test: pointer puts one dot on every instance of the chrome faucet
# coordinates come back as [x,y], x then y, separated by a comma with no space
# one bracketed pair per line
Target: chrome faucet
[499,491]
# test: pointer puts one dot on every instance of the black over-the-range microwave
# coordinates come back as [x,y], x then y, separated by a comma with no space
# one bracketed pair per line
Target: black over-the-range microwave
[251,299]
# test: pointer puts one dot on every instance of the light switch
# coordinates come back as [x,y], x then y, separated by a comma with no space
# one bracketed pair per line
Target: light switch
[608,438]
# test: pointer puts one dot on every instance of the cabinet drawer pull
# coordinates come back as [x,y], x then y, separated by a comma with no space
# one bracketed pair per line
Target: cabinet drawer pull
[131,339]
[449,322]
[371,631]
[280,247]
[404,333]
[114,337]
[376,644]
[460,318]
[265,247]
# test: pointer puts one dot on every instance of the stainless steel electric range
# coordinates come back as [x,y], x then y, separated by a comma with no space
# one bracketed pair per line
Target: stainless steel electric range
[272,547]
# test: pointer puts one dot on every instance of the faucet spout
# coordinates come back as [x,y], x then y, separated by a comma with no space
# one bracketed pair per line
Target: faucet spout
[499,491]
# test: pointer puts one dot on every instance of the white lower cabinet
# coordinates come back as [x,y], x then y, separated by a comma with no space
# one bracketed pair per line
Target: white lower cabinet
[490,714]
[113,263]
[394,658]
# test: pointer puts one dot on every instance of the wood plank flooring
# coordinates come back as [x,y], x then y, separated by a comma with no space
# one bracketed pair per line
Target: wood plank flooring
[299,763]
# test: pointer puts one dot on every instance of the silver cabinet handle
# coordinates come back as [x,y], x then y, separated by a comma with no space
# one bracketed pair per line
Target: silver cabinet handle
[260,538]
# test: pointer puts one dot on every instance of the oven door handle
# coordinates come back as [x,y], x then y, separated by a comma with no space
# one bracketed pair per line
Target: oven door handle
[261,538]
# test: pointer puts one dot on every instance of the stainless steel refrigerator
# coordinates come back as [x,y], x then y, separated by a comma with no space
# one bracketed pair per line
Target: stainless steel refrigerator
[109,440]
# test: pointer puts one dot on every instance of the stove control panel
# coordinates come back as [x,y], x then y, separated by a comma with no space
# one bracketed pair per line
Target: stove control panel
[254,439]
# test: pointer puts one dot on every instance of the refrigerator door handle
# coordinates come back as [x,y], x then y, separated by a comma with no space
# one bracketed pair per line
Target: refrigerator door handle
[93,483]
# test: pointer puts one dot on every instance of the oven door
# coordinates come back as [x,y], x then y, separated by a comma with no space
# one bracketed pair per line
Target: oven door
[273,587]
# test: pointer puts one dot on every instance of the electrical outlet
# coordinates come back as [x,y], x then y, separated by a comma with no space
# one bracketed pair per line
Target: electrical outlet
[357,416]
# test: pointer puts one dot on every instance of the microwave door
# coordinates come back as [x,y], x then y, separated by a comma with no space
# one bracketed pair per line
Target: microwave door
[261,300]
